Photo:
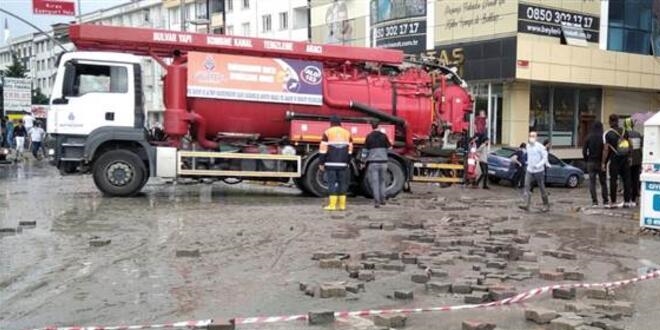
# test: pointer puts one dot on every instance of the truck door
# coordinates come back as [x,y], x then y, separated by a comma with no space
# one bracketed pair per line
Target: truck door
[93,94]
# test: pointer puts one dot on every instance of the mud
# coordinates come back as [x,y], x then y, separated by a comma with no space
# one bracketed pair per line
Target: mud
[247,247]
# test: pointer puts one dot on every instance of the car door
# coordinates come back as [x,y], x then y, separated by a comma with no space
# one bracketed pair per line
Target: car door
[100,94]
[555,174]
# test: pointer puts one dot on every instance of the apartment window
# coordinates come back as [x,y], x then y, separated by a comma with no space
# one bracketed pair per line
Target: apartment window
[246,29]
[230,30]
[300,17]
[230,5]
[266,23]
[284,20]
[175,15]
[200,9]
[630,26]
[246,4]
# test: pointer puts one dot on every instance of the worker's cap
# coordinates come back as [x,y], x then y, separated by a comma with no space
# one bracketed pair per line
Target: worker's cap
[335,120]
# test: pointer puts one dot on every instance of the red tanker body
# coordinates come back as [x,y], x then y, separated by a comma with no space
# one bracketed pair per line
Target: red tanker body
[245,94]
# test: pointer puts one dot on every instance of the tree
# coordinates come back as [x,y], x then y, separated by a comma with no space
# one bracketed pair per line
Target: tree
[38,97]
[16,69]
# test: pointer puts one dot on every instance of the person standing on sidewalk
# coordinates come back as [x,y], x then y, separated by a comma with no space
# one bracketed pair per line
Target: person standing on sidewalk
[375,153]
[616,154]
[36,137]
[537,159]
[593,155]
[519,163]
[10,133]
[636,141]
[482,153]
[480,126]
[20,133]
[336,149]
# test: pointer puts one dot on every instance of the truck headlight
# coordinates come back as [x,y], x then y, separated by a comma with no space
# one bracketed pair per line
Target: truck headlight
[51,152]
[288,150]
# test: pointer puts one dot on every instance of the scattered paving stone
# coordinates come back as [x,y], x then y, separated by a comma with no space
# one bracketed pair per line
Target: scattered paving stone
[412,225]
[368,265]
[331,263]
[303,286]
[560,254]
[564,293]
[98,242]
[419,277]
[390,321]
[597,293]
[521,276]
[436,272]
[366,275]
[408,259]
[395,267]
[587,327]
[483,288]
[354,287]
[352,296]
[320,317]
[8,230]
[551,276]
[403,294]
[522,239]
[577,307]
[476,298]
[476,268]
[476,325]
[542,234]
[343,234]
[375,225]
[461,288]
[497,264]
[455,207]
[529,257]
[322,255]
[311,291]
[496,232]
[438,287]
[540,315]
[566,322]
[27,223]
[529,268]
[573,275]
[332,291]
[500,292]
[352,267]
[626,308]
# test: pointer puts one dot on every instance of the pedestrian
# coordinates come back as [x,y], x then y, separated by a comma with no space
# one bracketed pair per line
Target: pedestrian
[375,151]
[519,161]
[3,131]
[636,142]
[537,159]
[335,153]
[28,122]
[592,152]
[20,133]
[36,137]
[480,125]
[10,133]
[482,154]
[616,159]
[471,163]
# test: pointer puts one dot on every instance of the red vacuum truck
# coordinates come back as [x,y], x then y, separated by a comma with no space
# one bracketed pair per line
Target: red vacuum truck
[241,108]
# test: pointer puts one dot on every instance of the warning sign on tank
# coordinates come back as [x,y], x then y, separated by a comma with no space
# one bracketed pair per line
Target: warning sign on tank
[259,79]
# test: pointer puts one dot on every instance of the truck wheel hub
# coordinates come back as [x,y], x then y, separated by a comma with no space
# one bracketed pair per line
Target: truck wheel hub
[119,174]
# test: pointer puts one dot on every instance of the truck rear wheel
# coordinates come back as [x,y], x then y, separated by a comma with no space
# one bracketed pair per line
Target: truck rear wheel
[314,179]
[119,173]
[394,180]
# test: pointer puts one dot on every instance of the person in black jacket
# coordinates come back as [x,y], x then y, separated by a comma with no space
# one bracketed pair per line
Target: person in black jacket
[592,152]
[375,155]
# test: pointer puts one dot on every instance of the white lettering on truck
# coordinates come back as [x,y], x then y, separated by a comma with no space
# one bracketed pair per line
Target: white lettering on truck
[245,43]
[278,45]
[163,36]
[316,49]
[218,41]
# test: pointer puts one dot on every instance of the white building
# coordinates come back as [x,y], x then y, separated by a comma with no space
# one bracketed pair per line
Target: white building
[281,19]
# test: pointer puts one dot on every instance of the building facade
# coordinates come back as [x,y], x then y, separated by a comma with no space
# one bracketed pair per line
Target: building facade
[284,19]
[553,66]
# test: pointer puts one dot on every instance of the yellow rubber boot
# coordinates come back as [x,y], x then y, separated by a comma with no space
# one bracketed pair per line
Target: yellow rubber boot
[332,204]
[342,202]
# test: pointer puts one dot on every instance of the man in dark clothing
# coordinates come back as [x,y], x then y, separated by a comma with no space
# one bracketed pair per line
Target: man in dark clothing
[592,152]
[636,141]
[519,163]
[335,155]
[19,134]
[616,152]
[375,154]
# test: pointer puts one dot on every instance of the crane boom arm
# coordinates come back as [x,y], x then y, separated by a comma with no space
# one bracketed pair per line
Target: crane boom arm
[163,43]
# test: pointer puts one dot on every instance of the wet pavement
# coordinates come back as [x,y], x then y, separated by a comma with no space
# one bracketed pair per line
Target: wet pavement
[254,245]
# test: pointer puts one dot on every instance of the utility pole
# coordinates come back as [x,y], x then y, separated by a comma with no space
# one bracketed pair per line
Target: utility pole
[79,13]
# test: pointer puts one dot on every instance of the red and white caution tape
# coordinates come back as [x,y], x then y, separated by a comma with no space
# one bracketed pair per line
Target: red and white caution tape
[508,301]
[201,324]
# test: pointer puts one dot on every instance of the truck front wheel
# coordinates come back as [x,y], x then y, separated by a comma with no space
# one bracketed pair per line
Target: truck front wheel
[119,173]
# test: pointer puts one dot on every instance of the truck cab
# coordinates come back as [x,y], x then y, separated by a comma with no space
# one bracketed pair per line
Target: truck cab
[96,107]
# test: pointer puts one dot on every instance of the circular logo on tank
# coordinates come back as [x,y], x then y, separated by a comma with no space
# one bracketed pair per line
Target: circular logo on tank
[311,75]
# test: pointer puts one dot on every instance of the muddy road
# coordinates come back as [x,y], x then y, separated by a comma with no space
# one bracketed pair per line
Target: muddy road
[182,252]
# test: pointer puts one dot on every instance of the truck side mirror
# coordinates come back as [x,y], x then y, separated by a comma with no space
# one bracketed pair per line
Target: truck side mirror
[69,80]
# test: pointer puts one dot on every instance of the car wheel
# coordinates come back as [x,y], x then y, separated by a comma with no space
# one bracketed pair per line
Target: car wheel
[494,179]
[573,181]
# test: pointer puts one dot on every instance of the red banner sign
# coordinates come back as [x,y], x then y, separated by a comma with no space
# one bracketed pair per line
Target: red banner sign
[54,7]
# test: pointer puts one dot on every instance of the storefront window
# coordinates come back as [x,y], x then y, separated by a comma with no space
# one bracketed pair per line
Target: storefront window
[563,114]
[630,26]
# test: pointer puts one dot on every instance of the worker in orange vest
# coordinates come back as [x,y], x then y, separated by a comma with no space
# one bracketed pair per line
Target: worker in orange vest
[336,149]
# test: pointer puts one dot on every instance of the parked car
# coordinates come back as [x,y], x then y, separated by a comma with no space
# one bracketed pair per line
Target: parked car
[560,173]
